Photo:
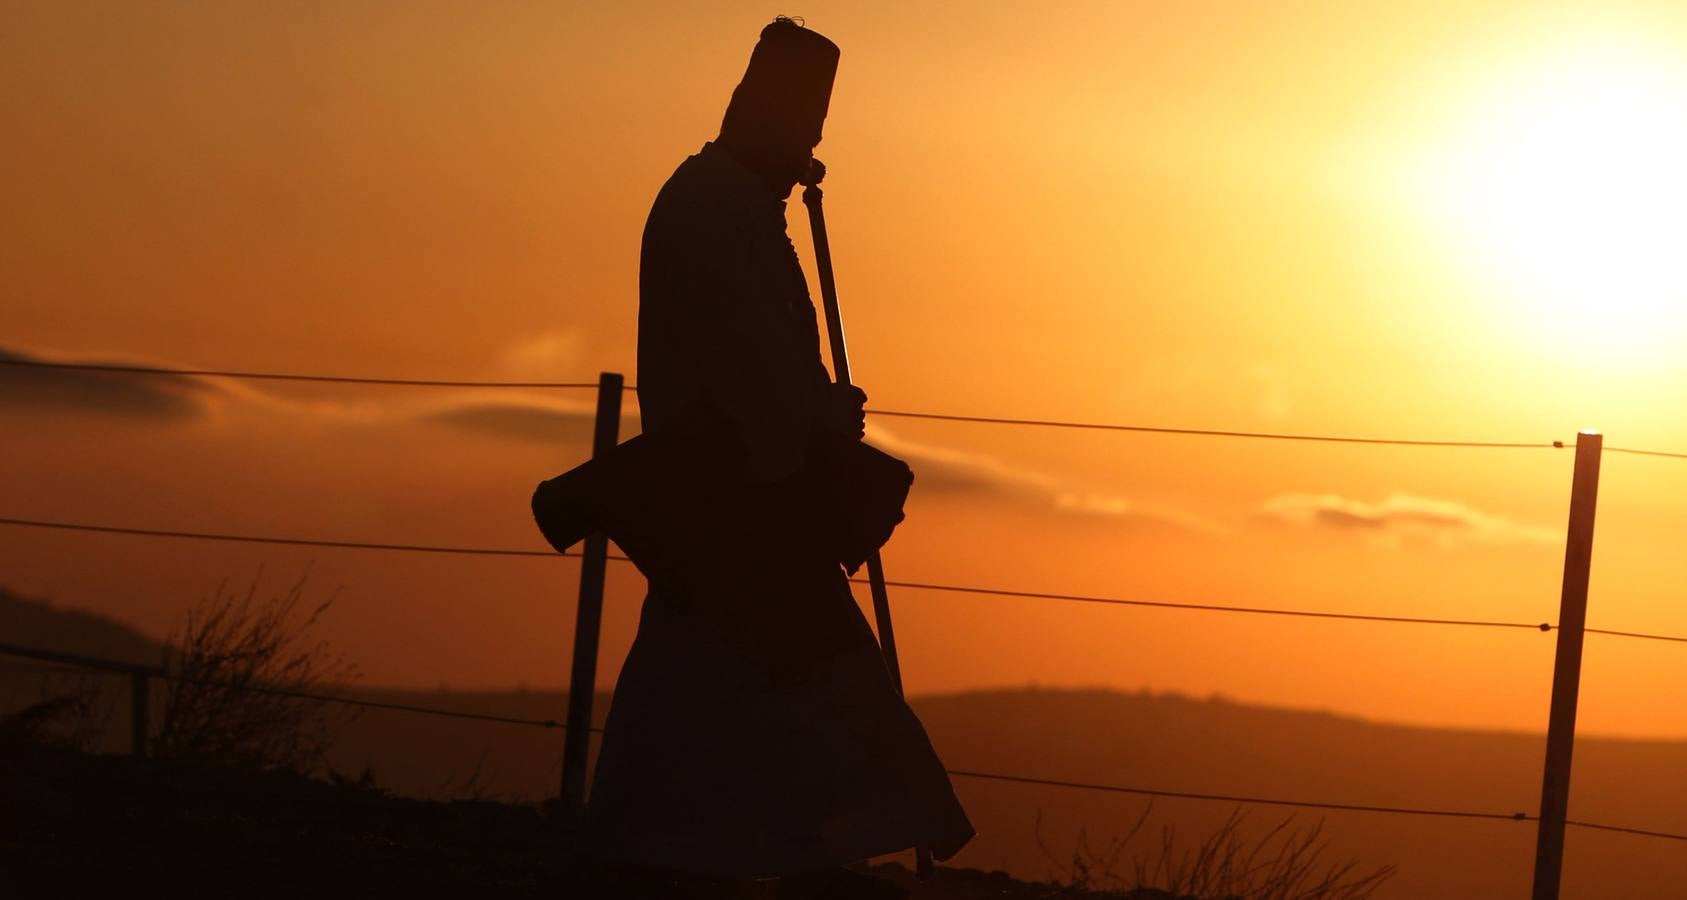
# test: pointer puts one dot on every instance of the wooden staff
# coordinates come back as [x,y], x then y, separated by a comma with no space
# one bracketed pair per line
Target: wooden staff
[811,198]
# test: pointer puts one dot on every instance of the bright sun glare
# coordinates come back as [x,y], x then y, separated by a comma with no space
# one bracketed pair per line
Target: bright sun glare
[1566,187]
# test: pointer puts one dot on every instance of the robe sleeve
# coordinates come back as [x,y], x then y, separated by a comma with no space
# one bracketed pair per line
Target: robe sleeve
[739,308]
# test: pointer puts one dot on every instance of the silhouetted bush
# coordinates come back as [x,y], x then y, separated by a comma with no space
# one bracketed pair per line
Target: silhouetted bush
[236,672]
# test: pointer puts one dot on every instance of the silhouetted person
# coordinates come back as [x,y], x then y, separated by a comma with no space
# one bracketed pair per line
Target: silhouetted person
[755,730]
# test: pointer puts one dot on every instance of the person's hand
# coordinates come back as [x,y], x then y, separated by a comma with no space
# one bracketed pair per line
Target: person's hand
[846,412]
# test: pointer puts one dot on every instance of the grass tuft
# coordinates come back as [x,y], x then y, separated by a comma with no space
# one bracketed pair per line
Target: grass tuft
[1286,863]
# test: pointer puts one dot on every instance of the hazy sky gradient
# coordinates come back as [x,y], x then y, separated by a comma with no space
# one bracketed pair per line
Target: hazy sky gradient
[1198,215]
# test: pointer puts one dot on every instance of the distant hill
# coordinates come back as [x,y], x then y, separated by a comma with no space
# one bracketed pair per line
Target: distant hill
[1158,741]
[1175,743]
[38,623]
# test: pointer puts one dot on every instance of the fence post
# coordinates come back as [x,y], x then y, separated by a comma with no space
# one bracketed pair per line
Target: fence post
[1567,668]
[588,616]
[139,712]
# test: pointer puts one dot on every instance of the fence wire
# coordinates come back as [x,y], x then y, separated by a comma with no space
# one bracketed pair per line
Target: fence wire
[1636,452]
[1026,422]
[913,585]
[1307,804]
[1230,798]
[115,368]
[1211,607]
[290,376]
[262,539]
[958,773]
[375,704]
[1208,432]
[57,663]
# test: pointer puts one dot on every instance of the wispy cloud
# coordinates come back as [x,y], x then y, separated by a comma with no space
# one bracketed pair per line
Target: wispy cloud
[168,399]
[138,396]
[1400,517]
[938,470]
[544,354]
[536,422]
[961,472]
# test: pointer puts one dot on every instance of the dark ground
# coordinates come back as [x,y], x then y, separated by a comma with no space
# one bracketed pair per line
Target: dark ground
[81,825]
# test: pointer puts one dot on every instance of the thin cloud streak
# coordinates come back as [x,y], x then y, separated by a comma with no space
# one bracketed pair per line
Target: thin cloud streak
[937,470]
[176,399]
[533,422]
[1400,517]
[961,472]
[169,399]
[160,399]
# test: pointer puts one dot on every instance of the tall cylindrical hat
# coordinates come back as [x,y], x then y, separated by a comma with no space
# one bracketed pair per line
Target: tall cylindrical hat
[786,89]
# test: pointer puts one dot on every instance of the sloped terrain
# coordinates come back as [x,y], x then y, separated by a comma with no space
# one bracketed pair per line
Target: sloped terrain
[79,825]
[1140,739]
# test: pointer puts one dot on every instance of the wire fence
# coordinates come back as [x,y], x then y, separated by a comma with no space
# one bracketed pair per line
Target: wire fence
[141,673]
[119,369]
[1208,432]
[290,541]
[61,662]
[114,368]
[377,704]
[1305,804]
[911,585]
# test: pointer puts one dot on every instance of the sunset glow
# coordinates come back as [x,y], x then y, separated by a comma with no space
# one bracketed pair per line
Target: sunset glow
[1564,186]
[1239,351]
[1376,220]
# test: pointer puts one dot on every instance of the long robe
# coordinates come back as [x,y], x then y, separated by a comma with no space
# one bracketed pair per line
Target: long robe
[754,728]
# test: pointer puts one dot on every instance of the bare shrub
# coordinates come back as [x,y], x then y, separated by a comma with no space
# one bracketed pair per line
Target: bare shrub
[1287,863]
[237,672]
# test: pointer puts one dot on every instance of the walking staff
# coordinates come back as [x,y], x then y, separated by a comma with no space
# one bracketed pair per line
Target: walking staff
[811,198]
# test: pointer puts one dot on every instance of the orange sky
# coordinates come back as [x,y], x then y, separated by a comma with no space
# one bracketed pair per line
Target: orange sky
[1249,217]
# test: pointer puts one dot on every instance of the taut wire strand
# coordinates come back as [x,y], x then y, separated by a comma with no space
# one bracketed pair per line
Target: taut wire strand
[1208,432]
[1263,801]
[914,585]
[1213,607]
[291,376]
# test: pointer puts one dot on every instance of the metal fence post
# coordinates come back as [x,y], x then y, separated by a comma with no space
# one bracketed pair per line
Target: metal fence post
[1567,668]
[139,712]
[588,616]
